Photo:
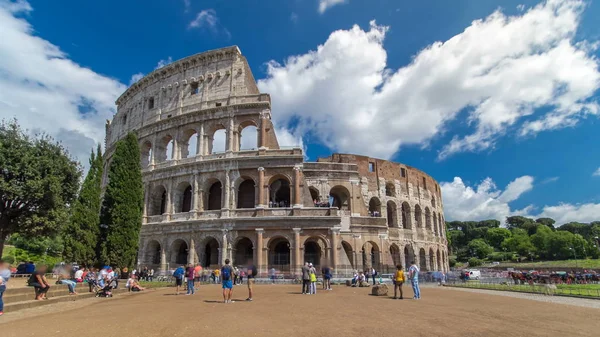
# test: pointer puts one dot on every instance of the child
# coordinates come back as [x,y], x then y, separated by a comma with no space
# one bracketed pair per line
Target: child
[398,281]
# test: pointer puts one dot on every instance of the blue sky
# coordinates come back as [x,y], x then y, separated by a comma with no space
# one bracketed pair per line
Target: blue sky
[502,112]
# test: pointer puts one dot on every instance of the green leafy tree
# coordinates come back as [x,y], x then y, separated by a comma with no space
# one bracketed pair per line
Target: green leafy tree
[38,180]
[39,245]
[123,204]
[480,249]
[541,240]
[82,232]
[519,242]
[495,236]
[521,222]
[549,222]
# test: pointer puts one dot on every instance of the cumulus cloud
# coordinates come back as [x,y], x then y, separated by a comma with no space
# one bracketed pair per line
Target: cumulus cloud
[565,212]
[135,78]
[483,201]
[596,173]
[505,73]
[163,63]
[326,4]
[47,91]
[207,19]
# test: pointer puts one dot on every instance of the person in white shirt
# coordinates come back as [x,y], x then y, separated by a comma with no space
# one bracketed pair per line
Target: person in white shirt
[79,275]
[413,275]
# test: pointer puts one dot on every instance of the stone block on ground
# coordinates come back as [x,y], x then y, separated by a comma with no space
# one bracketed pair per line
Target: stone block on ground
[380,290]
[364,285]
[348,283]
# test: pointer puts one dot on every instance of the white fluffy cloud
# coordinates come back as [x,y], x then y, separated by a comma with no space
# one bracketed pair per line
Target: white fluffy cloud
[484,201]
[523,72]
[208,19]
[46,91]
[596,173]
[564,213]
[326,4]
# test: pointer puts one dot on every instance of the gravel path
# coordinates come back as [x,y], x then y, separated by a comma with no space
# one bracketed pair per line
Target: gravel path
[580,302]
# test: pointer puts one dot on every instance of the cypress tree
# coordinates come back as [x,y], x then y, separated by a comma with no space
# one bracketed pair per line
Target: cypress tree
[121,214]
[83,229]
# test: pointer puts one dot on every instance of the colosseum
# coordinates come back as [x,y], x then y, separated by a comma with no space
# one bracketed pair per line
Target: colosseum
[211,194]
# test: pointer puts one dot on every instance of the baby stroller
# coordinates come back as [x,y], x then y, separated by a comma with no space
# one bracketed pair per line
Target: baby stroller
[106,291]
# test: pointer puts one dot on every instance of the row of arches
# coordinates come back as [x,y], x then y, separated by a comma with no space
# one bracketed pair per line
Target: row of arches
[433,221]
[390,191]
[169,147]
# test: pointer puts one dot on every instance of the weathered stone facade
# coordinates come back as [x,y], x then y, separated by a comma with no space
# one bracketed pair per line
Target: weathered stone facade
[203,207]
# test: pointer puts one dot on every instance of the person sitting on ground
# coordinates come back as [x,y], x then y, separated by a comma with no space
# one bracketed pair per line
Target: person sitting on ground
[38,281]
[133,284]
[63,278]
[79,275]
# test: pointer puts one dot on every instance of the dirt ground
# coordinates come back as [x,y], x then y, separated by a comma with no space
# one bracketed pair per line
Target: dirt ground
[281,311]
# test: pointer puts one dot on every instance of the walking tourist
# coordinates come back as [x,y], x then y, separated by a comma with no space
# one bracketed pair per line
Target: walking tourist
[413,275]
[226,275]
[326,278]
[398,281]
[251,275]
[273,275]
[190,273]
[4,276]
[305,278]
[373,275]
[178,274]
[313,279]
[198,274]
[217,275]
[38,281]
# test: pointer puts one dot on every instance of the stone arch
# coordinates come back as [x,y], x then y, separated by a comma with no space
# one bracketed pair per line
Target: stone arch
[340,197]
[146,153]
[158,201]
[409,255]
[279,191]
[375,207]
[428,219]
[246,193]
[349,253]
[418,216]
[422,259]
[390,189]
[371,255]
[214,197]
[243,251]
[279,254]
[395,253]
[189,145]
[179,253]
[432,260]
[314,250]
[209,253]
[153,252]
[314,194]
[406,215]
[392,214]
[435,225]
[164,149]
[217,141]
[248,135]
[183,197]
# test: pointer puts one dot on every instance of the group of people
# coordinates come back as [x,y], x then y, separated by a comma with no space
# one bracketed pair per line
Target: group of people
[360,277]
[227,275]
[400,278]
[309,278]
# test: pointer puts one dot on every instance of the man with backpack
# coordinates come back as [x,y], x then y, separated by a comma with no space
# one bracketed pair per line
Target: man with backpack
[226,281]
[178,274]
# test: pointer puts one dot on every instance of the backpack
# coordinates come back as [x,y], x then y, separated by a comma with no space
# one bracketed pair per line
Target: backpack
[225,273]
[178,273]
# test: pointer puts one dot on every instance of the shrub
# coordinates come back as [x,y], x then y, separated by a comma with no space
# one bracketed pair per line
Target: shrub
[474,262]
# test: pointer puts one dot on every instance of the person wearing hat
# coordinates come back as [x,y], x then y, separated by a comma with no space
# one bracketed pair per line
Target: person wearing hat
[313,279]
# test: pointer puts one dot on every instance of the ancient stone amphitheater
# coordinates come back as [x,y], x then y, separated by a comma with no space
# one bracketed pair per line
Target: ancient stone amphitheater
[211,196]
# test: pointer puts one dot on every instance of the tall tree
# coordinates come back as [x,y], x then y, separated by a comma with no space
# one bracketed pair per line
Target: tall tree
[38,180]
[122,207]
[83,230]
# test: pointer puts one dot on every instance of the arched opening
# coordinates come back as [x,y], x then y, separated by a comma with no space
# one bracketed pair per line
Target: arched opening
[433,202]
[179,252]
[146,153]
[244,253]
[183,198]
[395,253]
[422,260]
[340,197]
[153,252]
[418,216]
[190,147]
[390,190]
[214,196]
[170,148]
[313,252]
[371,255]
[428,219]
[314,195]
[375,207]
[246,194]
[409,256]
[349,255]
[248,137]
[218,142]
[279,254]
[432,260]
[210,256]
[405,215]
[164,149]
[158,201]
[279,193]
[435,225]
[392,214]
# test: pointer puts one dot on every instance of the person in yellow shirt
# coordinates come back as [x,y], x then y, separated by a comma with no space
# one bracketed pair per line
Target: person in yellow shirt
[398,281]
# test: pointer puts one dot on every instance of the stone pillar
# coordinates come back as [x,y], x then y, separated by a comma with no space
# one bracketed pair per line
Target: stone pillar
[229,140]
[263,131]
[194,195]
[200,141]
[297,258]
[225,204]
[353,184]
[261,188]
[427,264]
[259,251]
[146,200]
[152,150]
[163,261]
[192,253]
[169,208]
[335,232]
[175,152]
[224,247]
[297,195]
[206,147]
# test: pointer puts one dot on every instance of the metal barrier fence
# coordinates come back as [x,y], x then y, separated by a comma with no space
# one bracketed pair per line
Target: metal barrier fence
[544,289]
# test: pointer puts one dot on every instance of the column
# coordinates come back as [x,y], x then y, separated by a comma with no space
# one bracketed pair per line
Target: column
[195,194]
[169,208]
[261,188]
[297,258]
[163,261]
[427,264]
[353,210]
[259,251]
[229,140]
[200,141]
[192,253]
[226,188]
[146,197]
[335,232]
[297,194]
[175,152]
[263,130]
[207,143]
[224,247]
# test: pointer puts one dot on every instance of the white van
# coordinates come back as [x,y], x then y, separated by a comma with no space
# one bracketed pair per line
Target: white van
[474,274]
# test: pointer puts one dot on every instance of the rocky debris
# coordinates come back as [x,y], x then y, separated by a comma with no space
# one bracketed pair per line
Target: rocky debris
[380,290]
